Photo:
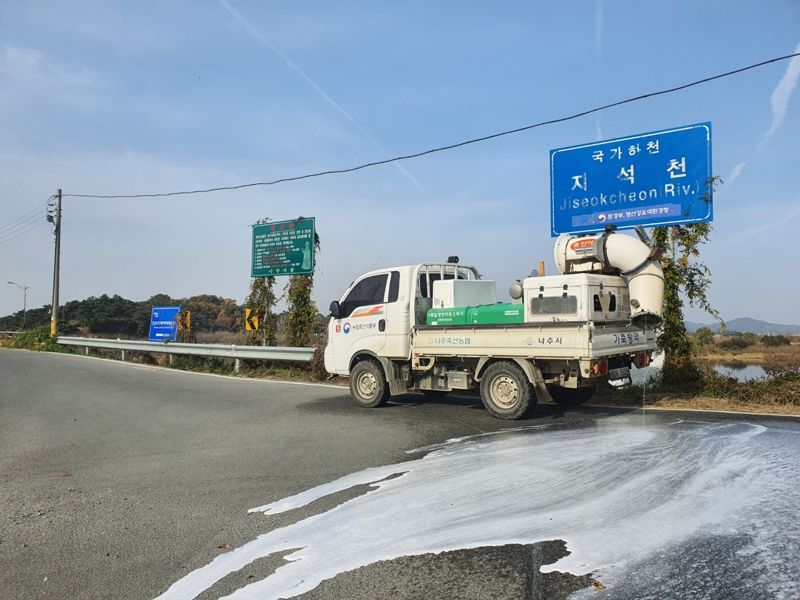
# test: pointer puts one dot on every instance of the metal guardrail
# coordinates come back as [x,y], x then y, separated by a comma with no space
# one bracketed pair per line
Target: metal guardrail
[206,350]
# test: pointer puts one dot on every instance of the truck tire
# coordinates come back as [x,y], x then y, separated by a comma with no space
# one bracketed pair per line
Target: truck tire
[368,384]
[570,396]
[506,391]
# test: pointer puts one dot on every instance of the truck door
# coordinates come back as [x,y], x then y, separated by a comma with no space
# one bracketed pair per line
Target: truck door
[359,328]
[398,315]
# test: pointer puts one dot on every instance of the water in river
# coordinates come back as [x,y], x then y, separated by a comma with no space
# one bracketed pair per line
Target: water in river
[739,371]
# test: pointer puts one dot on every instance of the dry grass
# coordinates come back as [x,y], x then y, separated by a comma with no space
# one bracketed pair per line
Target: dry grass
[778,356]
[679,401]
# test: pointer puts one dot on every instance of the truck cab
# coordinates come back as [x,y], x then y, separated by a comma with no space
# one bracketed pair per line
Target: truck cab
[378,311]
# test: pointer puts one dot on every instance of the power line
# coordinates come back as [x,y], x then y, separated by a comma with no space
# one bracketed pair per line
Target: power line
[10,229]
[23,232]
[449,146]
[39,217]
[22,219]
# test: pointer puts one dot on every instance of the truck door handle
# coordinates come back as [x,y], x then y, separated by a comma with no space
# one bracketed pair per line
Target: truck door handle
[382,325]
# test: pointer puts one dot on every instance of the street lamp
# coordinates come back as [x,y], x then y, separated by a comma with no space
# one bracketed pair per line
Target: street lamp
[24,289]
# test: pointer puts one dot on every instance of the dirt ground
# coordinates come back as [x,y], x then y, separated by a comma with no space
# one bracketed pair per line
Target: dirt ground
[668,401]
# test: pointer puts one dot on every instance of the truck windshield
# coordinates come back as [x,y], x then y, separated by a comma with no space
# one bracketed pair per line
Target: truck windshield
[366,292]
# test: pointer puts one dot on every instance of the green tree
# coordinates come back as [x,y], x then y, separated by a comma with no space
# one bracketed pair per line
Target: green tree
[776,340]
[750,337]
[735,343]
[262,298]
[302,310]
[684,276]
[703,337]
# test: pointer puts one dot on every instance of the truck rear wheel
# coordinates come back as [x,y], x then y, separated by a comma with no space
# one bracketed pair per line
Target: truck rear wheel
[506,391]
[368,384]
[570,396]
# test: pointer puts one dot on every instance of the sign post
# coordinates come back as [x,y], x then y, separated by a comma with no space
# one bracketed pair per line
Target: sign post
[164,323]
[283,248]
[650,179]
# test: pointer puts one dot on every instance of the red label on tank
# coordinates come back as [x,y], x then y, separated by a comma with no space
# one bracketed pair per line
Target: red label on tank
[582,243]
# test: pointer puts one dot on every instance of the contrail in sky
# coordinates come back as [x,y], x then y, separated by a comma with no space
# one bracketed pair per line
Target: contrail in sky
[786,219]
[735,172]
[780,104]
[599,14]
[291,64]
[782,94]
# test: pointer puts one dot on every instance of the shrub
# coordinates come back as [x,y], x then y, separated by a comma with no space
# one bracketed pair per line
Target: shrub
[735,343]
[317,365]
[39,339]
[775,340]
[750,337]
[703,337]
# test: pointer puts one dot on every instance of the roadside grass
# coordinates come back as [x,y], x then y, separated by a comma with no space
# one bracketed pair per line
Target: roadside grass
[37,339]
[703,388]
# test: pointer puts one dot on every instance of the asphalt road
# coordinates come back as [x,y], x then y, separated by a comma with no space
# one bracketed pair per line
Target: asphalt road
[119,480]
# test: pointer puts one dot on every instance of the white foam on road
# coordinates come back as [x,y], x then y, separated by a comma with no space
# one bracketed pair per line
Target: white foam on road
[615,493]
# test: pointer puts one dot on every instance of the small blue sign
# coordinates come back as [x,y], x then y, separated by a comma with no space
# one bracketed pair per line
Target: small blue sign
[164,323]
[651,179]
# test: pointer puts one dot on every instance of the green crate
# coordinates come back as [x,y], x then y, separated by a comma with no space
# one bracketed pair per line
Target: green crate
[496,314]
[447,316]
[490,314]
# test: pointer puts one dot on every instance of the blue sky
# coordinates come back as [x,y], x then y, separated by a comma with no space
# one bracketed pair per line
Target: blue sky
[125,97]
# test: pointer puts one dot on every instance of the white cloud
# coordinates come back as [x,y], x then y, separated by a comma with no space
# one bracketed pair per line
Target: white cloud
[781,96]
[28,65]
[772,225]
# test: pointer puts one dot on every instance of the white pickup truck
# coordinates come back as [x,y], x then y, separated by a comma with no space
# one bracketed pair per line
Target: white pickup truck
[437,327]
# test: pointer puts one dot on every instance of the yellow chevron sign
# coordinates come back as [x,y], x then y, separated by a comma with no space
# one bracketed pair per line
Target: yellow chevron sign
[185,320]
[252,318]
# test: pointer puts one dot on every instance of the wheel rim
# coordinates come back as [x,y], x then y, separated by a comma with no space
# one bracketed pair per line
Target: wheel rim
[504,391]
[366,385]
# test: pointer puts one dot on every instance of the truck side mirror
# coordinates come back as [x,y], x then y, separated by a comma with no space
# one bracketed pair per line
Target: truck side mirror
[336,310]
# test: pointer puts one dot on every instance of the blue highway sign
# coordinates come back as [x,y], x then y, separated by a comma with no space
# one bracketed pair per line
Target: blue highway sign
[657,178]
[164,323]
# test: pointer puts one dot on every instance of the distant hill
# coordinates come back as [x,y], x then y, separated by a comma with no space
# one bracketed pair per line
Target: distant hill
[745,324]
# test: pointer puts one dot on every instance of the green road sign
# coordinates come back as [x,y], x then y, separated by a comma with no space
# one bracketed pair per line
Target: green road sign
[283,248]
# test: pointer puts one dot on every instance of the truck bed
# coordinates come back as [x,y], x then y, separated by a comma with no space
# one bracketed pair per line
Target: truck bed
[567,340]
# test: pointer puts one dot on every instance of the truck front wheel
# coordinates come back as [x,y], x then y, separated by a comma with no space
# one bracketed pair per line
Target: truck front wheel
[506,391]
[570,397]
[368,384]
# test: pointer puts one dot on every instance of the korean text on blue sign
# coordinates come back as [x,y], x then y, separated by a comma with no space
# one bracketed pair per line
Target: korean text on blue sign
[657,178]
[164,323]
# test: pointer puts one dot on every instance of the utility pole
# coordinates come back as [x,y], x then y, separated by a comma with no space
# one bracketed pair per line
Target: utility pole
[24,289]
[56,266]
